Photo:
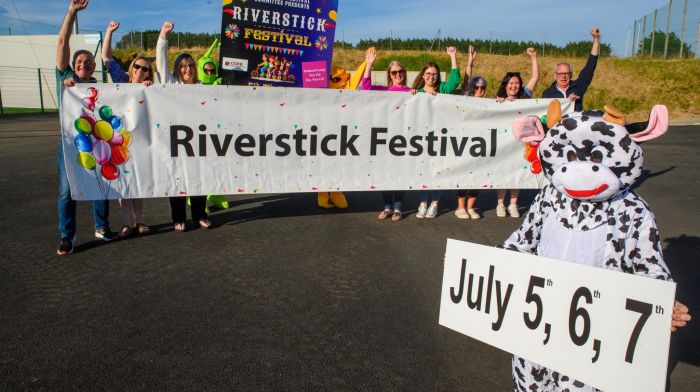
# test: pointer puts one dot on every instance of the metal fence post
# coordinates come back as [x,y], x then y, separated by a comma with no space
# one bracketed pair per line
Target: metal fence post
[653,35]
[644,35]
[685,10]
[668,25]
[634,40]
[41,91]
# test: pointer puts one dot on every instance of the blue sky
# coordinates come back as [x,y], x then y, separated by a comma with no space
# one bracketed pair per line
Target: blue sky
[558,22]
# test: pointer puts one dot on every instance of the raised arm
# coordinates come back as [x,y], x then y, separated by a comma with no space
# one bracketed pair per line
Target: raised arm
[535,70]
[107,42]
[470,64]
[63,47]
[162,53]
[595,50]
[452,52]
[370,57]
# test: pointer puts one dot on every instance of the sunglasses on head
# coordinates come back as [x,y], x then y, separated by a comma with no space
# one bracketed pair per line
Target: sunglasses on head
[141,67]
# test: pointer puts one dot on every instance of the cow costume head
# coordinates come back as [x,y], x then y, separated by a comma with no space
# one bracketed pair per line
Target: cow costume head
[590,155]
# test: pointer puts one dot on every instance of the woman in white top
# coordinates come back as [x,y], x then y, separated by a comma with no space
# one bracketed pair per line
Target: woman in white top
[184,72]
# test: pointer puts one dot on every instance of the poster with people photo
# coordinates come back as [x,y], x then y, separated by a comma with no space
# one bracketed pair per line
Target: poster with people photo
[283,43]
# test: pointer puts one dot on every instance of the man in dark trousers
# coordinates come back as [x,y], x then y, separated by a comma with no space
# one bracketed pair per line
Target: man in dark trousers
[564,87]
[80,71]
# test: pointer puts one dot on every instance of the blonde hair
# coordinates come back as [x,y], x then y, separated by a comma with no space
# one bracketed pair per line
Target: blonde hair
[395,63]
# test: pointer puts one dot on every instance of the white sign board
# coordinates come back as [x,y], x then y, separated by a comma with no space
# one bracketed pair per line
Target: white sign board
[199,140]
[605,328]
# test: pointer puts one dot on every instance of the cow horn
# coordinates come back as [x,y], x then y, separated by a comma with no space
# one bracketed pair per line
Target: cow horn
[613,115]
[553,113]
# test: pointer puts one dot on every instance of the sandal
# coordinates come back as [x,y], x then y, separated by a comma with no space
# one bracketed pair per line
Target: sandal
[126,232]
[142,229]
[384,214]
[180,226]
[204,223]
[396,216]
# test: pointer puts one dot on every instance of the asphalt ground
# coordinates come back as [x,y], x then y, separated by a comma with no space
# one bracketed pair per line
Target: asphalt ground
[279,295]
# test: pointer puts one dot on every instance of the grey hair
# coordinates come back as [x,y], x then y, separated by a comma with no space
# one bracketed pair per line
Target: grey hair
[557,66]
[468,88]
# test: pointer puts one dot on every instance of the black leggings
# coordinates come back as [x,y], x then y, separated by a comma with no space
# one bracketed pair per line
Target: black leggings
[178,208]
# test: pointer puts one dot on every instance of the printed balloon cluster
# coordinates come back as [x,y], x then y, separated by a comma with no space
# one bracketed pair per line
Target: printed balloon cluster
[101,141]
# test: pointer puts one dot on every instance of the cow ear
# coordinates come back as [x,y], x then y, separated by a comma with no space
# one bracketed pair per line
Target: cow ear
[656,126]
[528,129]
[553,113]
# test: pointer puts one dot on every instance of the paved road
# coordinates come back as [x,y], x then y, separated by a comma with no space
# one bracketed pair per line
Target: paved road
[279,296]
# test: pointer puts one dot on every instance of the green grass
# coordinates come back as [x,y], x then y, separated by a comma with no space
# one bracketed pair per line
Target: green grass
[7,110]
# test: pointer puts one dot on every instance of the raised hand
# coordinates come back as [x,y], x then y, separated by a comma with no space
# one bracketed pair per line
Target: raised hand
[371,55]
[112,27]
[531,52]
[452,51]
[77,5]
[595,33]
[472,53]
[168,27]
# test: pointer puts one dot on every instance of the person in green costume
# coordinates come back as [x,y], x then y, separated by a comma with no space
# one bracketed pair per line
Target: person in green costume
[207,72]
[207,68]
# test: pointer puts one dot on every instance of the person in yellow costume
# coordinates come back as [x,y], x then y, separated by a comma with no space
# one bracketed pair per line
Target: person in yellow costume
[340,79]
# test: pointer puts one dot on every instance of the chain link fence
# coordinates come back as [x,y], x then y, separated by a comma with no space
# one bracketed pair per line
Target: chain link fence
[29,88]
[672,31]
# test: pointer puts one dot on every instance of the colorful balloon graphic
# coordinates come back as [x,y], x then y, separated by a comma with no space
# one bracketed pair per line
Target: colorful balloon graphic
[102,151]
[120,154]
[92,93]
[89,118]
[105,113]
[86,160]
[116,123]
[117,139]
[88,103]
[83,142]
[110,171]
[127,137]
[103,130]
[83,126]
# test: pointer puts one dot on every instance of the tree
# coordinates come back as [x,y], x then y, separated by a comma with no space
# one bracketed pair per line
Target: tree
[674,45]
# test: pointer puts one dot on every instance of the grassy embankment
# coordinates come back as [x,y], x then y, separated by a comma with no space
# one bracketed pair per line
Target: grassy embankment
[632,85]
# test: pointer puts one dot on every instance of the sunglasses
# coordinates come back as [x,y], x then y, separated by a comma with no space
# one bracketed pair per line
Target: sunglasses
[141,67]
[479,87]
[395,73]
[209,71]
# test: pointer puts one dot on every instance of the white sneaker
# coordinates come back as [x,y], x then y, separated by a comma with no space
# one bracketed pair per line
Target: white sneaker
[461,213]
[432,211]
[473,214]
[513,211]
[501,211]
[422,210]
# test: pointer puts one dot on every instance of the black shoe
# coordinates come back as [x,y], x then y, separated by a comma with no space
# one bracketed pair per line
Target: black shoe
[66,246]
[105,234]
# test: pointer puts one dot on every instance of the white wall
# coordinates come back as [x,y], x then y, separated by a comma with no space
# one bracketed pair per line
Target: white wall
[22,55]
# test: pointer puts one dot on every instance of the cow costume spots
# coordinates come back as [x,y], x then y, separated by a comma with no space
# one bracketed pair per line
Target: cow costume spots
[587,214]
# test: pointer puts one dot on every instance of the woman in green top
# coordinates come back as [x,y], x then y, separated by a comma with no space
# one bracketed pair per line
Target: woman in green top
[429,81]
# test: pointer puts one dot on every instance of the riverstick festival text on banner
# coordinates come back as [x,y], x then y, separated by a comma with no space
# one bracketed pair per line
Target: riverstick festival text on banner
[605,328]
[131,141]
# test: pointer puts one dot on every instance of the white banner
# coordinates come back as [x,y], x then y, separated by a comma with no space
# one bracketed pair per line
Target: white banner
[128,141]
[605,328]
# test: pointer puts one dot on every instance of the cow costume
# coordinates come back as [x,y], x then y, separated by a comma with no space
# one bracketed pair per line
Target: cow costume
[587,214]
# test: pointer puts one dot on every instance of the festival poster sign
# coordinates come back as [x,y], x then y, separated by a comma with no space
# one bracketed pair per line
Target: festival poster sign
[281,43]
